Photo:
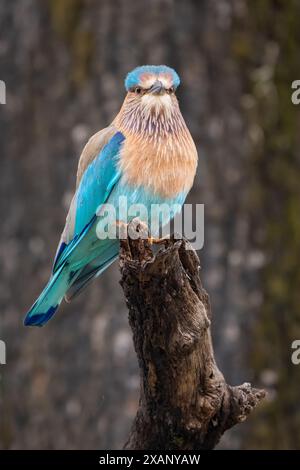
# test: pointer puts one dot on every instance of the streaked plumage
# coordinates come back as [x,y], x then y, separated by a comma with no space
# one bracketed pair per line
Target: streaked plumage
[147,155]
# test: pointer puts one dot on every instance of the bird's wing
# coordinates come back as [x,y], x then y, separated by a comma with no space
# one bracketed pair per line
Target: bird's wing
[92,150]
[80,245]
[97,174]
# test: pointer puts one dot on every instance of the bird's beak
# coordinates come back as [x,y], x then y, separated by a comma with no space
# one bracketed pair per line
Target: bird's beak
[157,88]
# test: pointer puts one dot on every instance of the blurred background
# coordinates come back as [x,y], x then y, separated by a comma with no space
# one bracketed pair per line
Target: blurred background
[74,384]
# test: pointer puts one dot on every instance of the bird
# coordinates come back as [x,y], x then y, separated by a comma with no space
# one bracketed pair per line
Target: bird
[145,156]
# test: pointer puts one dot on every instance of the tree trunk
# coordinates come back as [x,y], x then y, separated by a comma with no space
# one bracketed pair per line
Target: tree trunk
[185,403]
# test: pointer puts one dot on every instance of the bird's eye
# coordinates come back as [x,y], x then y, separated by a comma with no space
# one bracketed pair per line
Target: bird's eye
[170,90]
[136,89]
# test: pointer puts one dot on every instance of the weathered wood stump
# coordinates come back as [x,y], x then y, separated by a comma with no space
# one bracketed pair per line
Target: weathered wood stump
[185,402]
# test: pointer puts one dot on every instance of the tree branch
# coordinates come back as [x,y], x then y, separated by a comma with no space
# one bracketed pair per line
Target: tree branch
[185,403]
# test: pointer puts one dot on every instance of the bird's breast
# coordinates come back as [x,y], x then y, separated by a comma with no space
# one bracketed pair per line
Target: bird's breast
[164,165]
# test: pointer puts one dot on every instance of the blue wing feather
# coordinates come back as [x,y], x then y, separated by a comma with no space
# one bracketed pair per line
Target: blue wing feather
[97,182]
[94,189]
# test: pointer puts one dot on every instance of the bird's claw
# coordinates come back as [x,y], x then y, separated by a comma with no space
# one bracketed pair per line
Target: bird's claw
[156,241]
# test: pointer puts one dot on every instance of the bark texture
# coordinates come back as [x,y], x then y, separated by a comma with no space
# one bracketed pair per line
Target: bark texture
[185,402]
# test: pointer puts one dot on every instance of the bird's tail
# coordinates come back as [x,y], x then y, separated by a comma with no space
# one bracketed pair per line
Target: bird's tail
[48,302]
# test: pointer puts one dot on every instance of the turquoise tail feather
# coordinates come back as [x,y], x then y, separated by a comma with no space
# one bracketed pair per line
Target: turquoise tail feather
[72,277]
[49,300]
[86,277]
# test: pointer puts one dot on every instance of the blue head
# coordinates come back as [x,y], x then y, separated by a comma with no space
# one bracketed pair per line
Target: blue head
[143,78]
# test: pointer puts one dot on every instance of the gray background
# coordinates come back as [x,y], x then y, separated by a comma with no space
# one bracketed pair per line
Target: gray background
[74,384]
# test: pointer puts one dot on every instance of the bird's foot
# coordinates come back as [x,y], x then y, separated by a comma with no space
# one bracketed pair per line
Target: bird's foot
[157,241]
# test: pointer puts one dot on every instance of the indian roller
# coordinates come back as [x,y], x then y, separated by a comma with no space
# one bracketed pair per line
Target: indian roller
[146,155]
